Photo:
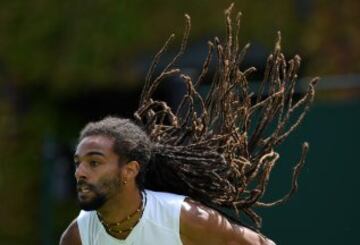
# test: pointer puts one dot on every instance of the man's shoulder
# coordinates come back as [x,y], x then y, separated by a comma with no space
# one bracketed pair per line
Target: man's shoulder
[195,215]
[199,223]
[71,235]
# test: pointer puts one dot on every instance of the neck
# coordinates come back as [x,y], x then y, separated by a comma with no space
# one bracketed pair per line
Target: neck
[120,206]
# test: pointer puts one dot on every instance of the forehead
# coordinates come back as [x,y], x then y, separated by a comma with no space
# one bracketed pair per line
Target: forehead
[95,143]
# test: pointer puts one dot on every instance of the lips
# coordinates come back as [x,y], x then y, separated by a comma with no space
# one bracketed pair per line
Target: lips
[83,188]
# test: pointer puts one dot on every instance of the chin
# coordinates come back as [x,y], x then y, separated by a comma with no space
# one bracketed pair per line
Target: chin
[90,204]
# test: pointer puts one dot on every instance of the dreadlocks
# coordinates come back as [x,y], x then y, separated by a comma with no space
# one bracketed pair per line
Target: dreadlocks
[221,148]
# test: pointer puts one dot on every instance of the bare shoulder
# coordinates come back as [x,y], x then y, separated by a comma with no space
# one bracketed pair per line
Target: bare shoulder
[200,224]
[71,235]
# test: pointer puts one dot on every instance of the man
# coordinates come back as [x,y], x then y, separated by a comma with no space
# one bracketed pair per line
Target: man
[216,151]
[111,159]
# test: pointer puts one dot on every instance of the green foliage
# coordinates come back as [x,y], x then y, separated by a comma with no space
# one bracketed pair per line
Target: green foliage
[67,45]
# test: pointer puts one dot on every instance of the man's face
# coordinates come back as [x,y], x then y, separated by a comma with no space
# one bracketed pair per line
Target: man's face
[97,171]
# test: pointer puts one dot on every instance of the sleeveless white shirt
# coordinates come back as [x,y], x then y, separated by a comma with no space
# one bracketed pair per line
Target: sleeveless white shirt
[159,224]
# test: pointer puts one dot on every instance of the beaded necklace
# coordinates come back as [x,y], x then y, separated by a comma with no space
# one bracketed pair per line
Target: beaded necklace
[113,227]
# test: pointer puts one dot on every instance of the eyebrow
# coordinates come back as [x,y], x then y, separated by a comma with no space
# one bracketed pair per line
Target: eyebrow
[91,153]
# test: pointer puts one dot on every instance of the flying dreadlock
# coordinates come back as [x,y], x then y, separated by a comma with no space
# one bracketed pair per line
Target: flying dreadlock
[223,152]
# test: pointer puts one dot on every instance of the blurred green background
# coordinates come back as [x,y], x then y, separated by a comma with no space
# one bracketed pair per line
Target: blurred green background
[63,63]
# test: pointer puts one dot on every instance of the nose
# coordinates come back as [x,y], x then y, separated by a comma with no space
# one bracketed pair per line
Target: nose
[80,172]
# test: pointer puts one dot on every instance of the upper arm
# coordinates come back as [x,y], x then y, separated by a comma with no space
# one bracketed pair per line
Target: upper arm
[202,225]
[71,235]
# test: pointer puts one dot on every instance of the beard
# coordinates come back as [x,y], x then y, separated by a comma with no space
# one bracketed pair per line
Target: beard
[93,203]
[96,195]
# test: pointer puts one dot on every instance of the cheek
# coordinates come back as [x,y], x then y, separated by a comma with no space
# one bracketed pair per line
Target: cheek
[109,183]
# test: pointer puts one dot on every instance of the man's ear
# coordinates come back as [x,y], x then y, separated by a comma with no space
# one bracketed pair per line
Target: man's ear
[131,170]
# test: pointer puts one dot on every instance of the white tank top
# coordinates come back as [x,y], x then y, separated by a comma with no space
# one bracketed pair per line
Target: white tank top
[159,224]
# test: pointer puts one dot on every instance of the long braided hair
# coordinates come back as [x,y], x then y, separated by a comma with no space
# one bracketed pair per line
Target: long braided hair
[220,148]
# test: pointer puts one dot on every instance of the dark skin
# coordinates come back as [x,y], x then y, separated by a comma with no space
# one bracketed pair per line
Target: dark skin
[98,166]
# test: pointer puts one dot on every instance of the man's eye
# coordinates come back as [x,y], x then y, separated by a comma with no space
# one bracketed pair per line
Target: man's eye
[93,163]
[76,164]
